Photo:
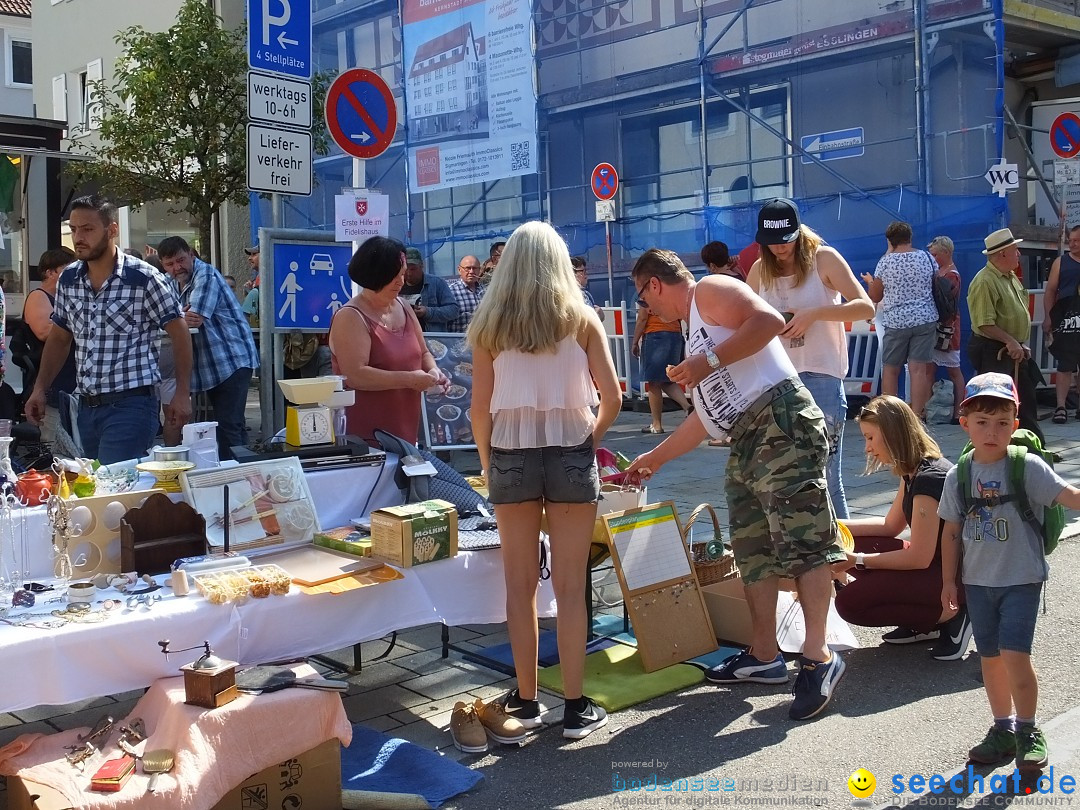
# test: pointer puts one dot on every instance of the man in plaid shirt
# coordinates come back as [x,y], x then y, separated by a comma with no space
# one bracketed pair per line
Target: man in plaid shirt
[467,293]
[225,354]
[113,307]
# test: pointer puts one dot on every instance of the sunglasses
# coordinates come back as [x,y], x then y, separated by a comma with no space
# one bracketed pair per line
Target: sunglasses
[641,292]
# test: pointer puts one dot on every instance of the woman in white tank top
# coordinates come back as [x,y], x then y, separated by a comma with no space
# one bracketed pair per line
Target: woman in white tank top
[806,281]
[537,350]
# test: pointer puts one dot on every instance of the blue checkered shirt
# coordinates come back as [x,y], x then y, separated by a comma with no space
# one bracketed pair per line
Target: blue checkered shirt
[223,344]
[116,329]
[467,301]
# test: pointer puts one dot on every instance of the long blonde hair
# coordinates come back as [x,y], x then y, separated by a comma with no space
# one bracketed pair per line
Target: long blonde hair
[806,248]
[533,300]
[904,435]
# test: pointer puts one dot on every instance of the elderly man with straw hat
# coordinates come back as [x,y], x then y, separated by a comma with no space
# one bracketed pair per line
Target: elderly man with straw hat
[1001,324]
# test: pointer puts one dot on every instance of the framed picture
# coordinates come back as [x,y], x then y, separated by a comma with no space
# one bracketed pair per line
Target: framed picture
[447,418]
[269,504]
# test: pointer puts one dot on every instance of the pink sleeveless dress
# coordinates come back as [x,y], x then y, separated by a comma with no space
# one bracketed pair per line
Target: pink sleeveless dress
[396,411]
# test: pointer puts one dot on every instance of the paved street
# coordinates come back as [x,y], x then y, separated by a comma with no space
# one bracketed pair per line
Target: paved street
[897,712]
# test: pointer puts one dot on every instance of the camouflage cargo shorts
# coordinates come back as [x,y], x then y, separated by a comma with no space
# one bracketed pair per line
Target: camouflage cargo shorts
[782,523]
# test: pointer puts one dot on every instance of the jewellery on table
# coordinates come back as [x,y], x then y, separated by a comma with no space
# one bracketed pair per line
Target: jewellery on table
[57,511]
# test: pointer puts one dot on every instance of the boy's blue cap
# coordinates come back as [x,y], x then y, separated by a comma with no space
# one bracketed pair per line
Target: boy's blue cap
[991,384]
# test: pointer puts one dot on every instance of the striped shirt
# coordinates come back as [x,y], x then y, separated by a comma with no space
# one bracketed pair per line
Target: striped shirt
[467,301]
[223,343]
[116,329]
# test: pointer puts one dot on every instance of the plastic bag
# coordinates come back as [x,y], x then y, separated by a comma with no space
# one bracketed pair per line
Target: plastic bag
[939,410]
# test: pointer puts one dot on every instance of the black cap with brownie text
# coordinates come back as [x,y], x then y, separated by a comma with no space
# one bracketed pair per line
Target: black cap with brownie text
[778,222]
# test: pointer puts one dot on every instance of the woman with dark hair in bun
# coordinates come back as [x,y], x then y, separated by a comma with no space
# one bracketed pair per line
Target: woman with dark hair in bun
[377,345]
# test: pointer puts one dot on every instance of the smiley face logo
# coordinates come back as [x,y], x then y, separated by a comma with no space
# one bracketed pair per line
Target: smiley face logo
[861,783]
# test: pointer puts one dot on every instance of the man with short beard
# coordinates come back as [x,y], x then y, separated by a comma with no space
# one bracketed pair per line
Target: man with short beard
[112,306]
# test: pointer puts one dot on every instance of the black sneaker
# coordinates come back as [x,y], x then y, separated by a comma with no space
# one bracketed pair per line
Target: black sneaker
[526,712]
[955,637]
[905,635]
[814,686]
[580,723]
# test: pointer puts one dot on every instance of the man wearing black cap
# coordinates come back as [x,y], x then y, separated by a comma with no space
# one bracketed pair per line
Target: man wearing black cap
[1001,324]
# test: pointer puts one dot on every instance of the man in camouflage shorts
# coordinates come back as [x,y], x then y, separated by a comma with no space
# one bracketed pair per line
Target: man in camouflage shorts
[782,523]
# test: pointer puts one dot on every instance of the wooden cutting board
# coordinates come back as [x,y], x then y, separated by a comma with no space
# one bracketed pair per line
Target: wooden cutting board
[314,565]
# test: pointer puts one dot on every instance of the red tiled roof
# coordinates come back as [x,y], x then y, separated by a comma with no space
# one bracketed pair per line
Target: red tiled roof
[455,38]
[15,8]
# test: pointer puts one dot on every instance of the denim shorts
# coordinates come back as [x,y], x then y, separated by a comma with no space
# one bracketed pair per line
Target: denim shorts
[1003,618]
[556,474]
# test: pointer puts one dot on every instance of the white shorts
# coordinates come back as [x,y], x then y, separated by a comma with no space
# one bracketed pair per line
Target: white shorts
[949,359]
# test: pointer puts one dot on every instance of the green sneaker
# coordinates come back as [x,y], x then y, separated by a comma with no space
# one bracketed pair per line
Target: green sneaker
[1030,747]
[999,745]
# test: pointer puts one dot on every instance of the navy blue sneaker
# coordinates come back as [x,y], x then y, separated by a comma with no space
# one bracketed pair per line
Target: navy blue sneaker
[814,686]
[745,668]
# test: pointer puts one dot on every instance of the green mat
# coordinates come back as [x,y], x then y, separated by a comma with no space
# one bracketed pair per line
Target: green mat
[614,678]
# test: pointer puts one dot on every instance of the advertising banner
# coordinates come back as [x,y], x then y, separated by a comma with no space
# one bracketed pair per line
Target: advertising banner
[470,99]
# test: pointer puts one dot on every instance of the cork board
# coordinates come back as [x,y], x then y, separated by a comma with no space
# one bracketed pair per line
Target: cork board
[659,586]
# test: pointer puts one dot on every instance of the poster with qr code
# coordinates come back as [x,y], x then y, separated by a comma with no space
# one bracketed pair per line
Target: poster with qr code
[469,91]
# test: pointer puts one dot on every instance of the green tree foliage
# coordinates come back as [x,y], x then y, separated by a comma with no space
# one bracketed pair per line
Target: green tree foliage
[173,118]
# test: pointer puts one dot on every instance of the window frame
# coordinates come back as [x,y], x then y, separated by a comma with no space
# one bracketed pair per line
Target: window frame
[11,36]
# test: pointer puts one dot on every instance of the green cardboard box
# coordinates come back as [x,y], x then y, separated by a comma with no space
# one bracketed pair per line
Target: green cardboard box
[415,533]
[338,539]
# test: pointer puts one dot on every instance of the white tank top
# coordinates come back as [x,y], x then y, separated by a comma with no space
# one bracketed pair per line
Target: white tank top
[543,400]
[729,390]
[823,349]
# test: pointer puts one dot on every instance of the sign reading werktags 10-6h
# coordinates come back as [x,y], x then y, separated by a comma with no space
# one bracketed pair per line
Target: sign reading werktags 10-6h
[469,91]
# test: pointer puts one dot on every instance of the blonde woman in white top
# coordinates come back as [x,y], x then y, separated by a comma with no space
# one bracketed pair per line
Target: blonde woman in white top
[537,351]
[813,287]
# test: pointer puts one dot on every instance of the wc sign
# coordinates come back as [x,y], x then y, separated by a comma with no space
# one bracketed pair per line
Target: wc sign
[1003,177]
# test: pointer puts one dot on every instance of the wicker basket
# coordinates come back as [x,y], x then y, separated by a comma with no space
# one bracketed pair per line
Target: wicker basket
[712,562]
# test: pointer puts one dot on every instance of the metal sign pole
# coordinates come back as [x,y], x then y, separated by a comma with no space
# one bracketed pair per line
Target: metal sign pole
[610,274]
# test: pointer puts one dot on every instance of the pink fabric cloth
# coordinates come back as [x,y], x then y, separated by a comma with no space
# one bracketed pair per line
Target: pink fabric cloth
[397,410]
[215,749]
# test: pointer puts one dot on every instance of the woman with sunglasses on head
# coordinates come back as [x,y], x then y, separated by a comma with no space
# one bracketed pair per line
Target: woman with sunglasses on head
[898,582]
[812,286]
[538,349]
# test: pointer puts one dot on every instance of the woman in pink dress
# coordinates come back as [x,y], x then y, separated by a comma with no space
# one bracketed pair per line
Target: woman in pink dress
[377,345]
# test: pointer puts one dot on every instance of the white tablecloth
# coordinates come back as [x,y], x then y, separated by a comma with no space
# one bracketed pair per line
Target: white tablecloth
[79,661]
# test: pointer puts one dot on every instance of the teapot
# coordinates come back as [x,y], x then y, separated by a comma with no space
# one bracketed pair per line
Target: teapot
[33,488]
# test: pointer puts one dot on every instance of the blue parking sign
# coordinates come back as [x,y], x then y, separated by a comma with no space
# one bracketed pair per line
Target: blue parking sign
[311,283]
[279,36]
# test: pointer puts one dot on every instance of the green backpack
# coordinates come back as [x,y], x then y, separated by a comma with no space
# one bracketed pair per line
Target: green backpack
[1023,442]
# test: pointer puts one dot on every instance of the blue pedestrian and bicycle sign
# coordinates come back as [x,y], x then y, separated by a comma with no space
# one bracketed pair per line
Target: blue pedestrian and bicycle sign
[279,36]
[835,145]
[311,283]
[1065,135]
[361,114]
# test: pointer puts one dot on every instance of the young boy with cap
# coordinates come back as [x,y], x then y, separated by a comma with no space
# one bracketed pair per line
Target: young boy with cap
[1004,567]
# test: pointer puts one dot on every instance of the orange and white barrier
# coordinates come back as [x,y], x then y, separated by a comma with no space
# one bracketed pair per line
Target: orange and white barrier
[618,343]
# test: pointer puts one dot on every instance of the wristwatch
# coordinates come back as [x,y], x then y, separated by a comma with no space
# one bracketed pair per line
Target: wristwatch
[713,360]
[860,562]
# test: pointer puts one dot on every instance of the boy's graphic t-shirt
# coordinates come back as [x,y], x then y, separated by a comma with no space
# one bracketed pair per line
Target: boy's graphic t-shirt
[1000,548]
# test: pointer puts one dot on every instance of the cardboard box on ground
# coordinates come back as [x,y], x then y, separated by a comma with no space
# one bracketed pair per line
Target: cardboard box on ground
[730,615]
[312,779]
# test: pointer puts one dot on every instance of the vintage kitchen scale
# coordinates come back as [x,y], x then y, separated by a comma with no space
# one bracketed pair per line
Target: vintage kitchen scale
[309,420]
